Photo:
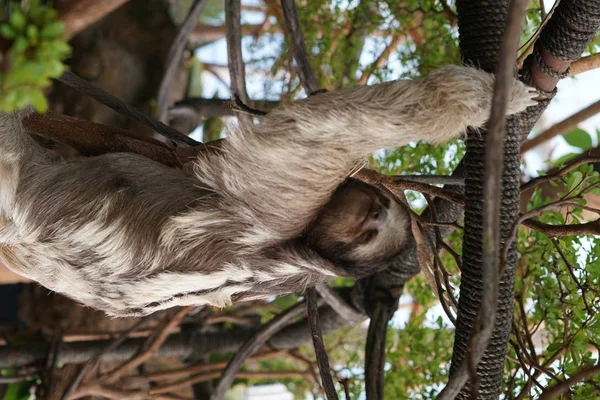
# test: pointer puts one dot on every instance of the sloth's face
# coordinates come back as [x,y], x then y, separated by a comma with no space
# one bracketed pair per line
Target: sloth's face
[359,228]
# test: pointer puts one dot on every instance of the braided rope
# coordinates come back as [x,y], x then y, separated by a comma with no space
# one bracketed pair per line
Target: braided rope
[561,39]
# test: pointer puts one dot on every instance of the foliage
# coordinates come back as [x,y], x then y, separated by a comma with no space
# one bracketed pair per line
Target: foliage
[35,56]
[557,292]
[18,390]
[419,359]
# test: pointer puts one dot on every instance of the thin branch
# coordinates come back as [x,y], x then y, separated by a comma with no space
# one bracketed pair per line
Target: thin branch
[317,339]
[346,385]
[92,139]
[433,179]
[78,15]
[211,33]
[339,305]
[376,347]
[237,73]
[586,158]
[449,13]
[210,375]
[49,372]
[92,363]
[397,186]
[241,107]
[305,73]
[175,53]
[149,348]
[117,394]
[562,387]
[196,369]
[554,205]
[102,96]
[562,127]
[382,59]
[588,228]
[528,45]
[252,346]
[209,108]
[569,267]
[492,193]
[585,64]
[431,270]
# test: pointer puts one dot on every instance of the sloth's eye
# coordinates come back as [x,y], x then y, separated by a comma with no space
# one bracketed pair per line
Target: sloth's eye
[367,236]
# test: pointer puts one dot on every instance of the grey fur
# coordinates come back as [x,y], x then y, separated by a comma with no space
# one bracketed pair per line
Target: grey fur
[129,236]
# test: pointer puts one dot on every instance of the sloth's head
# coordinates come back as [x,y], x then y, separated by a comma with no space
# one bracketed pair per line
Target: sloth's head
[360,230]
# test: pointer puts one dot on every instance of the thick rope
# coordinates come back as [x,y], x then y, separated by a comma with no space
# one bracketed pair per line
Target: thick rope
[481,26]
[477,18]
[559,37]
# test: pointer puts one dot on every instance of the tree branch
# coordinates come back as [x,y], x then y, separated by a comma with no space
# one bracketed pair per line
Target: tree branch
[114,103]
[587,228]
[563,386]
[305,73]
[561,127]
[174,57]
[210,108]
[585,64]
[151,346]
[92,363]
[317,339]
[92,139]
[210,375]
[382,59]
[237,73]
[339,305]
[252,346]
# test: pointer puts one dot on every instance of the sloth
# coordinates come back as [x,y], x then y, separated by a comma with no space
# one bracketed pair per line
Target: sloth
[271,212]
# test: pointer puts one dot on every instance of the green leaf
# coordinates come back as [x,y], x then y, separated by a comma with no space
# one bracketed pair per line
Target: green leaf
[554,347]
[38,100]
[53,30]
[576,178]
[17,391]
[32,32]
[55,68]
[20,44]
[564,159]
[579,138]
[17,20]
[7,31]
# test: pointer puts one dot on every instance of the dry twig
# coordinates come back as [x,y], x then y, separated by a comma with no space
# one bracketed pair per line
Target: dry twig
[585,64]
[561,127]
[382,59]
[252,346]
[149,348]
[92,363]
